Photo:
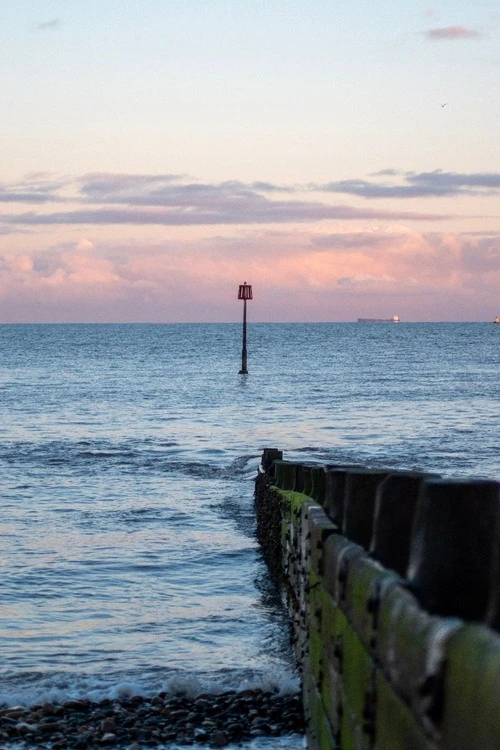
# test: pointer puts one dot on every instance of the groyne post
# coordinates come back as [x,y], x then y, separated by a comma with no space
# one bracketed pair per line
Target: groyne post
[395,505]
[452,547]
[392,584]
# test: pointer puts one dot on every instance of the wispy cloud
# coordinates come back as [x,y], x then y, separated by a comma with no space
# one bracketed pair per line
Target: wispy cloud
[120,188]
[419,185]
[257,212]
[351,241]
[53,23]
[171,200]
[19,196]
[452,33]
[174,200]
[34,188]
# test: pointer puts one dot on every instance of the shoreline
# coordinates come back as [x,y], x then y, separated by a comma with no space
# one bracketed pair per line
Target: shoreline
[134,723]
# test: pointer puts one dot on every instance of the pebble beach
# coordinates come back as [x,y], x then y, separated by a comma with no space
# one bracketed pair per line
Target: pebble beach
[211,720]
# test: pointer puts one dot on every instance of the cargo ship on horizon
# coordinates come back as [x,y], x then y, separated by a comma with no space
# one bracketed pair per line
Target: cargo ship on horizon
[394,319]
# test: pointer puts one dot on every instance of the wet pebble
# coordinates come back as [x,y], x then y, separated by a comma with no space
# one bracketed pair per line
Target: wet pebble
[134,723]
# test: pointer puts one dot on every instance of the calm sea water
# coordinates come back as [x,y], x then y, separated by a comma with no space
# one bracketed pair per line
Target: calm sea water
[128,454]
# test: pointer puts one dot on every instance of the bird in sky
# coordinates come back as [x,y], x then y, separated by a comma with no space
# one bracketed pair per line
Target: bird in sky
[443,105]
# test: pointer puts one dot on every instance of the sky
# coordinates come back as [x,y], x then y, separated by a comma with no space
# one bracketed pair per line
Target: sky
[342,158]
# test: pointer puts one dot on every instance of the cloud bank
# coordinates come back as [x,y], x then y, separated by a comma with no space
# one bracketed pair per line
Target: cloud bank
[173,200]
[297,275]
[184,246]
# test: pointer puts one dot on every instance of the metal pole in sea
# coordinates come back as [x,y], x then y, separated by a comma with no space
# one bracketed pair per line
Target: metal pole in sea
[244,293]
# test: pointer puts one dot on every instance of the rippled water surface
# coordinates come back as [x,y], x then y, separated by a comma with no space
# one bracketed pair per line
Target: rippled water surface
[128,453]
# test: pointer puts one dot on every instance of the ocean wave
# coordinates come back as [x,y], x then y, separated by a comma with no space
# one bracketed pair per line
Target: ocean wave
[101,455]
[32,688]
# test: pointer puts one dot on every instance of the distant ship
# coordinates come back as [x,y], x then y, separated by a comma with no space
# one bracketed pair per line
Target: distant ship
[394,319]
[497,319]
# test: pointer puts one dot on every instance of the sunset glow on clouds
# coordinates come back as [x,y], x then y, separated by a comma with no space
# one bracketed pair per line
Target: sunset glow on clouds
[333,259]
[376,203]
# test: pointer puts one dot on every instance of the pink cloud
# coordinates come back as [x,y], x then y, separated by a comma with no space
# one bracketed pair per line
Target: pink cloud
[195,242]
[452,32]
[296,275]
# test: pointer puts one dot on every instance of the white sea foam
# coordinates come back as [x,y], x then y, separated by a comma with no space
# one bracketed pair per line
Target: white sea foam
[289,742]
[282,684]
[58,688]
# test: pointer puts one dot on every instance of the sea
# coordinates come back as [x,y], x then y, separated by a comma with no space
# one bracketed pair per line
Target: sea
[128,455]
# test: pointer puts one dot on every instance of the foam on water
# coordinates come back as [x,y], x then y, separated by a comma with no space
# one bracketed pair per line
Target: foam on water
[291,742]
[33,689]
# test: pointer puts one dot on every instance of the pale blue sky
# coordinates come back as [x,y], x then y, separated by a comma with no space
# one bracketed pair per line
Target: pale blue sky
[214,88]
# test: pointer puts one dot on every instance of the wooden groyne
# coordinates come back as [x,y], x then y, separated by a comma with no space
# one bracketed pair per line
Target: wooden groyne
[393,586]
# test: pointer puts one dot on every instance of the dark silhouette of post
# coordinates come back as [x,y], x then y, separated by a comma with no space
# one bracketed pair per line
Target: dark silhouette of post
[244,293]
